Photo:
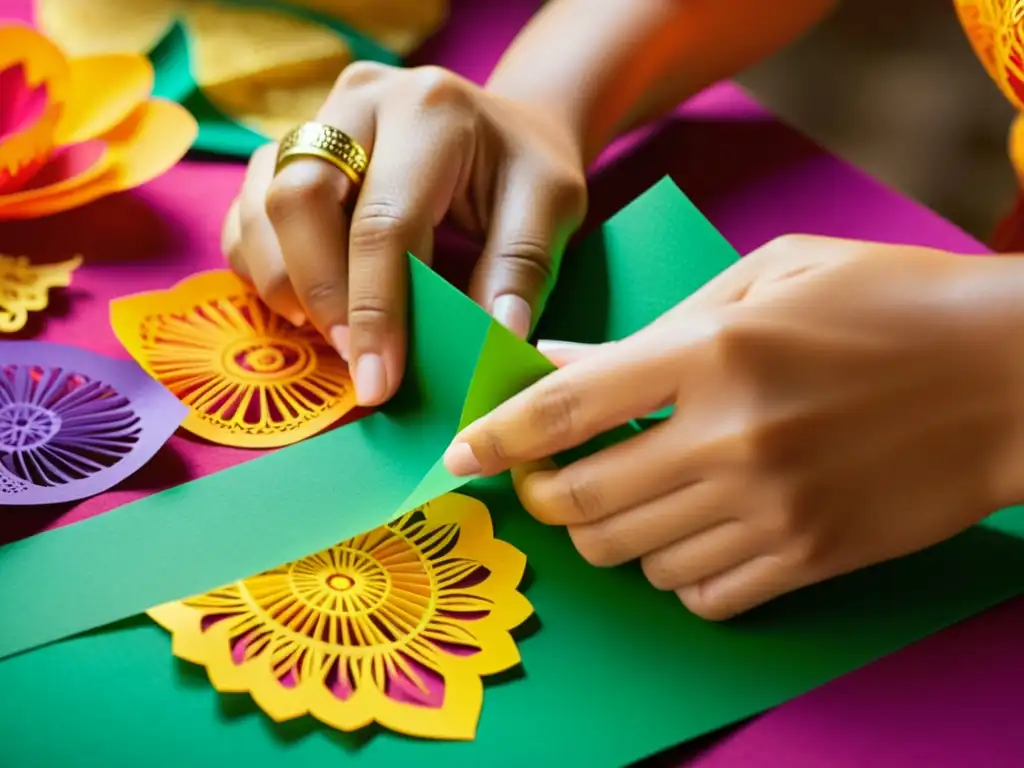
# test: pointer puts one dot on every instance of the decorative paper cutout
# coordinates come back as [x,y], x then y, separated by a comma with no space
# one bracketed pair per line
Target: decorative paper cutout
[395,626]
[76,130]
[266,68]
[26,288]
[995,29]
[249,378]
[73,423]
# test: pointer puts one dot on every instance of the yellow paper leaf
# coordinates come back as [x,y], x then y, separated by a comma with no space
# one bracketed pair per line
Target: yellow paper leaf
[395,626]
[399,25]
[26,288]
[87,27]
[250,378]
[265,69]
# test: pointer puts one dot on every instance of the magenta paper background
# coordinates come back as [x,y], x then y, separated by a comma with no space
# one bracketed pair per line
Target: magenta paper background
[151,412]
[951,700]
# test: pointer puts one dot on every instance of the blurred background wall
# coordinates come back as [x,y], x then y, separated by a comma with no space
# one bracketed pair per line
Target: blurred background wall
[893,86]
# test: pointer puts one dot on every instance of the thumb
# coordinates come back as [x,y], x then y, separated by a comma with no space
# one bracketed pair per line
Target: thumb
[529,228]
[562,353]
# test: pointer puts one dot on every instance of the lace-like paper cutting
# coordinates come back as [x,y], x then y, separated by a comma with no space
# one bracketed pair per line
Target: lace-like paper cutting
[26,288]
[396,626]
[996,31]
[73,424]
[249,378]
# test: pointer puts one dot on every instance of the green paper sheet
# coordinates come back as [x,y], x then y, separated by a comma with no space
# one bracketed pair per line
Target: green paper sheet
[218,133]
[616,671]
[241,521]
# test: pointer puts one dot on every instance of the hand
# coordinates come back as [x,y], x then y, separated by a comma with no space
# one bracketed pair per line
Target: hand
[317,247]
[837,404]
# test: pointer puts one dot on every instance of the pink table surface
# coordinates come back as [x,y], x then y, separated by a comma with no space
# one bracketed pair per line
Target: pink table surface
[950,700]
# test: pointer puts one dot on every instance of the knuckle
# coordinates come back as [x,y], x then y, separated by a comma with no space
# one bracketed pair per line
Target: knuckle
[297,188]
[435,86]
[361,73]
[369,312]
[569,194]
[594,546]
[376,226]
[491,446]
[576,499]
[318,294]
[555,410]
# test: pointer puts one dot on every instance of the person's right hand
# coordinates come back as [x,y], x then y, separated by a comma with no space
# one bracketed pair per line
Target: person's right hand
[318,248]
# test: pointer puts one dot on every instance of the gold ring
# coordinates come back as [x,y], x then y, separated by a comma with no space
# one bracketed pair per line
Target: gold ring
[327,143]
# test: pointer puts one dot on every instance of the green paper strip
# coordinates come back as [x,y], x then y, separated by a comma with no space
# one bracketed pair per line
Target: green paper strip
[280,507]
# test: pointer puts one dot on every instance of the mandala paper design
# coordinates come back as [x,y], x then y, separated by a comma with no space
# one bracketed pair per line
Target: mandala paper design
[25,288]
[396,626]
[73,424]
[249,378]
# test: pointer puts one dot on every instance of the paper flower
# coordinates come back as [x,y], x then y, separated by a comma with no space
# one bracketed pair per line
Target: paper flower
[26,288]
[250,378]
[396,626]
[266,68]
[73,423]
[74,130]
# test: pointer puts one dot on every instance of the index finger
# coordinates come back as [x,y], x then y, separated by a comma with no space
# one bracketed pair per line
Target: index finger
[623,381]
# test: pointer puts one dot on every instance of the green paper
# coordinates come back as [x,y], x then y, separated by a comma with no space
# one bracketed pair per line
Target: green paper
[217,132]
[616,672]
[650,256]
[243,520]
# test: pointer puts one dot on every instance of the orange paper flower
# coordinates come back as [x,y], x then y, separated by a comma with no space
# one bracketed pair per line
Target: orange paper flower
[396,626]
[74,130]
[250,378]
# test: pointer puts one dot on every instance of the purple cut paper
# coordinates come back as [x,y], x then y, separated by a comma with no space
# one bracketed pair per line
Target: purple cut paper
[74,423]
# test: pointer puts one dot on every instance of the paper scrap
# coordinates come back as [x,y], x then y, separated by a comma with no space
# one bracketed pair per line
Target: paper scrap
[250,378]
[75,130]
[396,626]
[25,288]
[74,423]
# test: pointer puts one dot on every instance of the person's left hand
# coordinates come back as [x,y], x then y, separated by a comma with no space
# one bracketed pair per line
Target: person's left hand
[837,404]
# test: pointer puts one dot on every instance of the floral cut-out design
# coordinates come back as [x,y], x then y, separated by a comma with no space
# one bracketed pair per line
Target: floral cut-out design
[73,424]
[249,377]
[395,626]
[25,288]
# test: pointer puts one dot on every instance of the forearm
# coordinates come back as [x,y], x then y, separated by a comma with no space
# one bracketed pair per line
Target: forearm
[604,66]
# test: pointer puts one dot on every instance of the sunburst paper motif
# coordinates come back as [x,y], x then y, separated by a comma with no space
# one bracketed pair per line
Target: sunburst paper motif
[396,626]
[249,377]
[73,424]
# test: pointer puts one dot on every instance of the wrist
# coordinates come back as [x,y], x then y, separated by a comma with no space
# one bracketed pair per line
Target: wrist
[989,296]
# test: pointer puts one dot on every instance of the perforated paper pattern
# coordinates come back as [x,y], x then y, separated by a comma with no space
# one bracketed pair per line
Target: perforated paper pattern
[249,377]
[25,288]
[396,626]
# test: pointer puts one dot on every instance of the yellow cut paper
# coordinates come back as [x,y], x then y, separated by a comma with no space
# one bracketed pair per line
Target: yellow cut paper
[250,378]
[397,626]
[98,133]
[26,288]
[265,68]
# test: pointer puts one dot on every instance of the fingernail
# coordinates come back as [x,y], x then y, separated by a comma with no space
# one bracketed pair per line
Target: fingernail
[297,318]
[514,313]
[561,352]
[460,461]
[339,338]
[370,379]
